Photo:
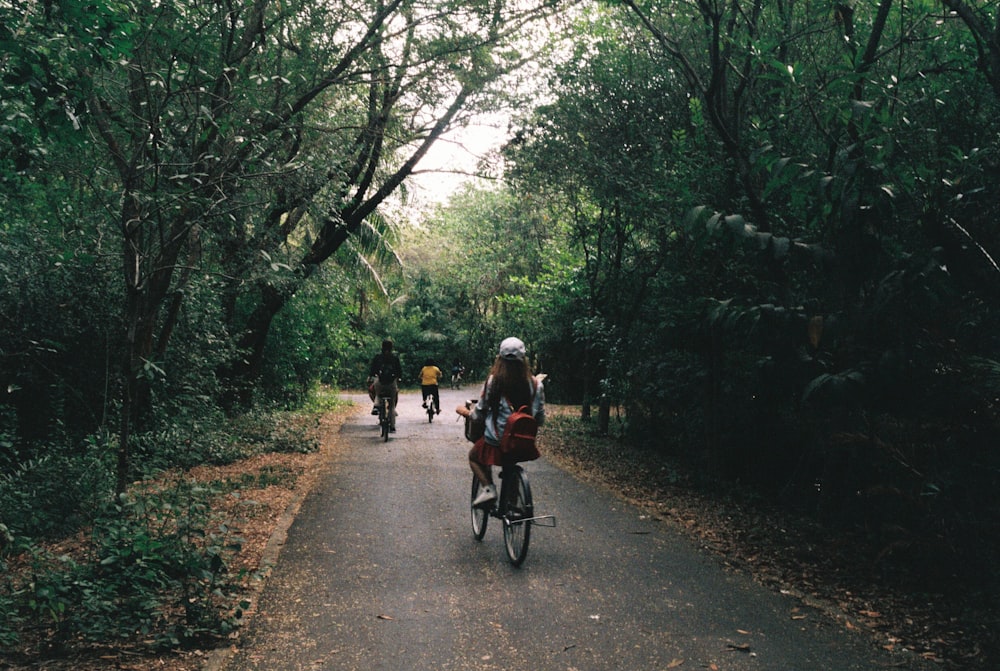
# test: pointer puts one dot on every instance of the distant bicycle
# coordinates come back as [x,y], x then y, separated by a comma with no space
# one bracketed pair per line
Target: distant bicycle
[429,404]
[456,379]
[384,407]
[514,508]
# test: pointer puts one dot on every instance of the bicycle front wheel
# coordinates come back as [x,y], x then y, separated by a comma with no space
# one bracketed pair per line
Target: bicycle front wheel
[516,520]
[480,515]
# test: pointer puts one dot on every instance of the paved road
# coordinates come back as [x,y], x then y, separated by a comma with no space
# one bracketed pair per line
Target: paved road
[380,571]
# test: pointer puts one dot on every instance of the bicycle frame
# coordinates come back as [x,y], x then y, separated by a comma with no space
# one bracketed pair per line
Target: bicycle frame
[508,481]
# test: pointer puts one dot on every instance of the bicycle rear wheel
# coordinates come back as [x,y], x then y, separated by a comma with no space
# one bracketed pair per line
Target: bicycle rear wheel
[384,419]
[518,508]
[480,515]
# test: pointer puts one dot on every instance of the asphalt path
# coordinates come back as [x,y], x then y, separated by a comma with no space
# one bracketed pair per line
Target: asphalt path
[380,571]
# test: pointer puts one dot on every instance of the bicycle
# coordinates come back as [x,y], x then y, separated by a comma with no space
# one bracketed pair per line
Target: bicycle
[514,508]
[384,407]
[456,380]
[429,404]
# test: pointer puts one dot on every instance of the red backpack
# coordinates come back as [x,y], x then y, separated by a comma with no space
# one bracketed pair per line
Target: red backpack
[518,440]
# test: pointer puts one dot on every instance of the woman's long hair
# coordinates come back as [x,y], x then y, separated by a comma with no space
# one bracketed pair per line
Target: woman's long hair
[511,380]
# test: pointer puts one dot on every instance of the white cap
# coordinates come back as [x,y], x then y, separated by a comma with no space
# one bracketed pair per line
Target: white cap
[512,348]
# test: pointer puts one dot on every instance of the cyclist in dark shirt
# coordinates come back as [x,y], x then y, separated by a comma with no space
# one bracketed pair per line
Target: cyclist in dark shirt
[383,379]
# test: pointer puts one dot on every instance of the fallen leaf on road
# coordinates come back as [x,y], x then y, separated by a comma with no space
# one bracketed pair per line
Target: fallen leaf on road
[674,663]
[386,617]
[742,647]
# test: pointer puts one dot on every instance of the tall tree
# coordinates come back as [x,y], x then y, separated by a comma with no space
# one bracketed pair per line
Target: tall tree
[258,135]
[605,156]
[985,31]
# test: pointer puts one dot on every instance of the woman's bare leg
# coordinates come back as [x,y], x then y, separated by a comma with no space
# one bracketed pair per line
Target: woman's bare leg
[484,473]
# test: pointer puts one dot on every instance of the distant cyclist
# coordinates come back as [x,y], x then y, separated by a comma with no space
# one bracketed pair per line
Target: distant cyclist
[383,380]
[456,374]
[430,378]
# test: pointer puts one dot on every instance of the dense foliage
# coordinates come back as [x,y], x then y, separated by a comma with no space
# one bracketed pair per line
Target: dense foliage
[767,253]
[197,164]
[194,198]
[782,219]
[757,236]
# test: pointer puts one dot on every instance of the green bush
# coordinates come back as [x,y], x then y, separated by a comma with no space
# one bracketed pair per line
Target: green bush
[156,571]
[310,341]
[57,491]
[258,432]
[184,443]
[9,617]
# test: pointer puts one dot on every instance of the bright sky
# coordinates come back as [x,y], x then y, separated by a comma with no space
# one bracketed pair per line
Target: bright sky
[458,151]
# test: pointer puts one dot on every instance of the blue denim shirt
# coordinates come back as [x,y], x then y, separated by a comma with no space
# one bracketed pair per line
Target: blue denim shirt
[495,429]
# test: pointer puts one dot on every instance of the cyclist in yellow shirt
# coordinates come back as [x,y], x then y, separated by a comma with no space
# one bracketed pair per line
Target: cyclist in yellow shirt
[430,376]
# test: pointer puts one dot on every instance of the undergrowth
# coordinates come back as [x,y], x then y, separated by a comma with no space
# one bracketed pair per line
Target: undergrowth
[951,620]
[82,569]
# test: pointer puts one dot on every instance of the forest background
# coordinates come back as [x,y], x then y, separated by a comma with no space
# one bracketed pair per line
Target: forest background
[756,239]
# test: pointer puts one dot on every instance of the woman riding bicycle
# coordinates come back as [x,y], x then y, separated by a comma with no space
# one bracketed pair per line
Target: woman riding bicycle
[509,386]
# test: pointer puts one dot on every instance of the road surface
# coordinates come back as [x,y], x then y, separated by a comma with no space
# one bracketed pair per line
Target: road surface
[380,571]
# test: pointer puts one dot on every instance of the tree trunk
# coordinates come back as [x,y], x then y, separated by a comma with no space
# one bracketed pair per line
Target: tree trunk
[247,368]
[987,39]
[335,231]
[604,416]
